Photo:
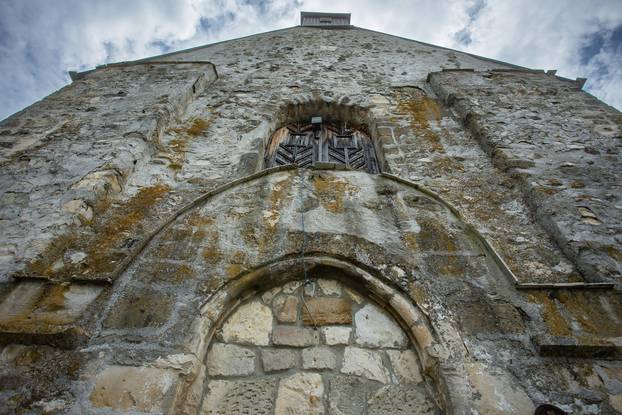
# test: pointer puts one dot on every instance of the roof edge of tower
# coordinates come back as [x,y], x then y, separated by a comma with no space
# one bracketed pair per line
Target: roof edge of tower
[194,48]
[353,27]
[446,48]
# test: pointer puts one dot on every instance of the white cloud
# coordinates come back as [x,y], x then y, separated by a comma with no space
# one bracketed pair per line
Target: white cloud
[40,40]
[551,35]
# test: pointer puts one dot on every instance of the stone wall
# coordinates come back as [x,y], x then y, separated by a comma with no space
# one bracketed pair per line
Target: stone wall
[138,213]
[561,146]
[65,158]
[313,348]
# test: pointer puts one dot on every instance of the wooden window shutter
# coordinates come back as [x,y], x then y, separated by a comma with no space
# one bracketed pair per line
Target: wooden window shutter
[307,144]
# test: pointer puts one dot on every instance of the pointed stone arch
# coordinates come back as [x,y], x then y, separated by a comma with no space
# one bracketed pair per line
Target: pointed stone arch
[362,257]
[431,348]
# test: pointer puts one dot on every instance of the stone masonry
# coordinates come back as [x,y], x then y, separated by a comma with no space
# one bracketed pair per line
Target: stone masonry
[152,262]
[313,348]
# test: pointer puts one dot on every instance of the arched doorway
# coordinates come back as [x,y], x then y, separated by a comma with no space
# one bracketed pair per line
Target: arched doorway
[315,347]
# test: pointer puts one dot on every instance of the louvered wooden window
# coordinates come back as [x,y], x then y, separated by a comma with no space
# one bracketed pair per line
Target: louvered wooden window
[307,144]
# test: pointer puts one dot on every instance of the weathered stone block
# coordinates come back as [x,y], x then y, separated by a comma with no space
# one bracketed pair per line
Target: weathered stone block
[401,400]
[489,386]
[322,311]
[45,312]
[336,335]
[477,317]
[329,287]
[319,358]
[230,360]
[251,323]
[405,366]
[267,296]
[143,307]
[374,328]
[295,336]
[278,359]
[286,309]
[347,395]
[300,394]
[509,319]
[240,397]
[366,363]
[611,378]
[127,388]
[616,402]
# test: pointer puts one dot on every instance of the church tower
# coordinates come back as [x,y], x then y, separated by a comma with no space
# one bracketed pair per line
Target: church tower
[322,219]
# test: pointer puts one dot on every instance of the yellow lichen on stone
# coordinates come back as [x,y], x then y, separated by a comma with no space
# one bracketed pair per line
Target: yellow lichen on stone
[422,110]
[279,190]
[107,235]
[435,238]
[211,253]
[238,257]
[210,235]
[54,299]
[196,219]
[614,253]
[179,145]
[40,307]
[446,164]
[183,273]
[233,270]
[556,323]
[279,195]
[591,315]
[44,265]
[236,265]
[418,293]
[119,226]
[197,127]
[410,240]
[332,191]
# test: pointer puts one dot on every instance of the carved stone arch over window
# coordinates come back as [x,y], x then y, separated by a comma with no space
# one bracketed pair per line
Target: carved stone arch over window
[324,141]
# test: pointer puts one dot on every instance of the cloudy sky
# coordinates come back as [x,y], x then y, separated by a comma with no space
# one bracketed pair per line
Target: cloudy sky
[40,40]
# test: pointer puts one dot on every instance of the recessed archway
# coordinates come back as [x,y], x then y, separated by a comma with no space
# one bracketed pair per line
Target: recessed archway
[315,346]
[246,292]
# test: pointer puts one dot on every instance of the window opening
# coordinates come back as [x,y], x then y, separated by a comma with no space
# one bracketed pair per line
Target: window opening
[322,141]
[547,409]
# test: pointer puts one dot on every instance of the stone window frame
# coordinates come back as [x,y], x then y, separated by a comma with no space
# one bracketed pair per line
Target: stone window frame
[300,109]
[322,141]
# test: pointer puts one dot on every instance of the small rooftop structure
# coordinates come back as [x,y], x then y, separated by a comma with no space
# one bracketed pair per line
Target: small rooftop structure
[318,19]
